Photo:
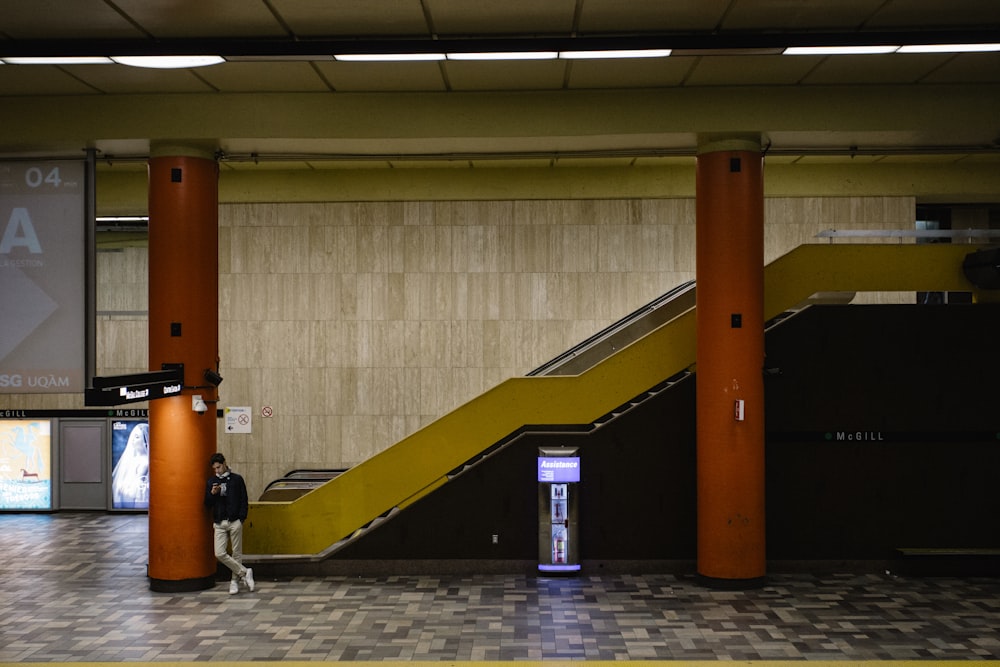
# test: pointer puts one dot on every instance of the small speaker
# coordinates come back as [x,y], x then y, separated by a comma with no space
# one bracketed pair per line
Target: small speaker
[212,377]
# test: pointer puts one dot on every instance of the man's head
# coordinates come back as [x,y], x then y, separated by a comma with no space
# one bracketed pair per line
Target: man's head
[218,462]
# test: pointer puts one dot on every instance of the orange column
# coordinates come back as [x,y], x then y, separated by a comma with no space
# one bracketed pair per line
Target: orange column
[730,360]
[183,328]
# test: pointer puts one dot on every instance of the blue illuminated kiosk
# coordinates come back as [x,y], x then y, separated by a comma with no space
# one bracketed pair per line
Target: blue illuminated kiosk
[558,532]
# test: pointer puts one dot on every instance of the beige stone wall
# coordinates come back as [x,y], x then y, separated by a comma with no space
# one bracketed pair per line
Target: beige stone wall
[358,323]
[376,318]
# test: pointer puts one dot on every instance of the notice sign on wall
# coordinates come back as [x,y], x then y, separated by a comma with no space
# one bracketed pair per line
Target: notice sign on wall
[238,420]
[42,277]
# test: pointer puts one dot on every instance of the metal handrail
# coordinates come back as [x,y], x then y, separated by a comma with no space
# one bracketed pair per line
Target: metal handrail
[968,235]
[572,354]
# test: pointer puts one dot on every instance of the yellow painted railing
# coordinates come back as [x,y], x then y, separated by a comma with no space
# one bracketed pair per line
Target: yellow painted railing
[420,463]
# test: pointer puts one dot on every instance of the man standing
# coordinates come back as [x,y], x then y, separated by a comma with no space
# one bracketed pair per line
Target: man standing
[226,494]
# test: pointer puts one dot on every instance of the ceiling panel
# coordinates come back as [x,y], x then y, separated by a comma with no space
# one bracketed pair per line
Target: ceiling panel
[967,68]
[751,70]
[121,80]
[482,17]
[638,73]
[610,16]
[383,77]
[516,75]
[936,14]
[352,17]
[200,18]
[890,68]
[40,80]
[61,19]
[267,77]
[798,15]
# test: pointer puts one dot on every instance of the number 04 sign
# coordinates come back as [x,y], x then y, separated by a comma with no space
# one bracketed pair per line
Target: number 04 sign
[42,276]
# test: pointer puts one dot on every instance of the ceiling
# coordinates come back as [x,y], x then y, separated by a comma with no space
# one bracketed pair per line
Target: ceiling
[282,98]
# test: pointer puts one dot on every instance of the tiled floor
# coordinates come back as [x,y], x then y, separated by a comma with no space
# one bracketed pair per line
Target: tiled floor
[73,588]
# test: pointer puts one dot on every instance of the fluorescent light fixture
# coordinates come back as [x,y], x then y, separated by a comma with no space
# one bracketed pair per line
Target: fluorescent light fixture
[838,50]
[168,62]
[58,60]
[388,57]
[506,55]
[622,53]
[948,48]
[123,218]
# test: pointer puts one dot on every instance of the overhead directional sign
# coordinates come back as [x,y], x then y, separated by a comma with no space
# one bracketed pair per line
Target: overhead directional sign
[121,389]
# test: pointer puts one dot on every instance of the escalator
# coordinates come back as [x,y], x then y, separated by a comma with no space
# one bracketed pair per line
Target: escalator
[596,382]
[297,483]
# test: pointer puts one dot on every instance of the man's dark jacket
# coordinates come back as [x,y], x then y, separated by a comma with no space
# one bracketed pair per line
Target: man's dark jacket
[234,505]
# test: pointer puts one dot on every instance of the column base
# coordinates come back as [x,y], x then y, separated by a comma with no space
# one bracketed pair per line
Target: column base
[719,583]
[181,585]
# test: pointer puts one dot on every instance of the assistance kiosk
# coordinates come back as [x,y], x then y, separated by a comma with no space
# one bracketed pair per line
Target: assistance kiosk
[558,533]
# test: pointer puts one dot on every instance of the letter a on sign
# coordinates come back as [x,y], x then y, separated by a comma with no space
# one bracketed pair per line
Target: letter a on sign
[20,232]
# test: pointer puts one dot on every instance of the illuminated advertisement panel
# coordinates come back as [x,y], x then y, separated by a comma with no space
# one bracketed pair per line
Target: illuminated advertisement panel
[25,464]
[42,276]
[129,464]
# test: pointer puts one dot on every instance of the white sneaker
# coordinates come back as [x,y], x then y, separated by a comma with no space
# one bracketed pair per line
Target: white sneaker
[248,579]
[234,588]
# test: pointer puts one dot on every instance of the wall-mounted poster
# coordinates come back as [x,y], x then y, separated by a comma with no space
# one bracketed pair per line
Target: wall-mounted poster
[129,464]
[25,464]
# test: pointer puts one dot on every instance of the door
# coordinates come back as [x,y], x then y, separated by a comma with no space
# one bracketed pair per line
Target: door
[83,478]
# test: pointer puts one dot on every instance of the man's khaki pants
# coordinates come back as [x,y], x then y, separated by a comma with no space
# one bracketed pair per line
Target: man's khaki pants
[226,533]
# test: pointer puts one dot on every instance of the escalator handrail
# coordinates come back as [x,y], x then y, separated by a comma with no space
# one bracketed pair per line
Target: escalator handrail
[613,328]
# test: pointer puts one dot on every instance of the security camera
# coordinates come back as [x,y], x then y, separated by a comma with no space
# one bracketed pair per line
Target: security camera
[198,404]
[212,377]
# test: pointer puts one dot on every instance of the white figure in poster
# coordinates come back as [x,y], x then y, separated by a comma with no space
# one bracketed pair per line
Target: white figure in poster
[130,478]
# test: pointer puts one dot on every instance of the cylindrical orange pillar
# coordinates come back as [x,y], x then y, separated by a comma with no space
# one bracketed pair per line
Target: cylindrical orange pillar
[183,329]
[730,360]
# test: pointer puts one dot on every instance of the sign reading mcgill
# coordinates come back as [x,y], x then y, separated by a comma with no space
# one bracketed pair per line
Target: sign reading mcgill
[842,436]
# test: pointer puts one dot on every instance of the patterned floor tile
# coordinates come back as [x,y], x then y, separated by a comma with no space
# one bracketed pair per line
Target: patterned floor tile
[73,588]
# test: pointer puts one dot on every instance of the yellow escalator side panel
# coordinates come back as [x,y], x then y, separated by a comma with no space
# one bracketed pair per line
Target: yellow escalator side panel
[333,511]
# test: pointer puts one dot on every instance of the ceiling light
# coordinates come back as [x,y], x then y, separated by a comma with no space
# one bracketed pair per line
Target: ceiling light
[388,57]
[122,218]
[622,53]
[168,62]
[838,50]
[505,55]
[948,48]
[59,60]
